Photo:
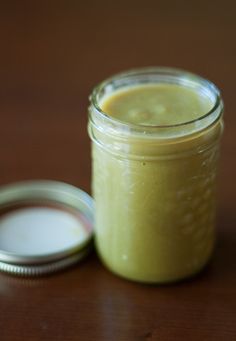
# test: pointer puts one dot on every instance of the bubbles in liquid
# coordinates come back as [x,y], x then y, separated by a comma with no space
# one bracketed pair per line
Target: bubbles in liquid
[137,115]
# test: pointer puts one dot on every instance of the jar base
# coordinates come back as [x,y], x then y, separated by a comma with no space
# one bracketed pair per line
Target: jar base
[169,281]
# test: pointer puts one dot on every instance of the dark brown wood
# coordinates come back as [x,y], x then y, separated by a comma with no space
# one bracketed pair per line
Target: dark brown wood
[52,54]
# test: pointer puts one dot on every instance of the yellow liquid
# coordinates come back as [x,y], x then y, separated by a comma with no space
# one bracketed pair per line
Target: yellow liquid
[158,104]
[155,201]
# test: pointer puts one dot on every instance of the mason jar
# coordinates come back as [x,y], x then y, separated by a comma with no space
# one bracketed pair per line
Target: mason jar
[155,186]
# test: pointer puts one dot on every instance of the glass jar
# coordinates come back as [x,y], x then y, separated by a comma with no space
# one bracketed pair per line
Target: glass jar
[154,186]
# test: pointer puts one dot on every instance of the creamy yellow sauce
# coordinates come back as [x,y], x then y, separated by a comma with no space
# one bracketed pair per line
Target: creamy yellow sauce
[160,104]
[155,200]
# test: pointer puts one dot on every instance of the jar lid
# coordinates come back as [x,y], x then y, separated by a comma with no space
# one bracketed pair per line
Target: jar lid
[45,226]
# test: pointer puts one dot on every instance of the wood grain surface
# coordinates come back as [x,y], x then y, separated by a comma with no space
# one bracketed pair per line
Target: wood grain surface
[52,54]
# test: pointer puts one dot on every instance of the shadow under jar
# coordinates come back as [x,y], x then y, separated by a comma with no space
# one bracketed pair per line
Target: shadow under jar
[154,184]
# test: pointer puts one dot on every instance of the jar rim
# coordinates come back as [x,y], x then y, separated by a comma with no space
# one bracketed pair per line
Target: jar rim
[169,76]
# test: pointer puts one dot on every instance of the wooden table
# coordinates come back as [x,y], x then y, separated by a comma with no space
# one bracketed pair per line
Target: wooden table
[52,54]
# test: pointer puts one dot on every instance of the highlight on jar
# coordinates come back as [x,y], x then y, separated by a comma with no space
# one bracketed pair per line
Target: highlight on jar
[155,146]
